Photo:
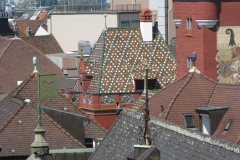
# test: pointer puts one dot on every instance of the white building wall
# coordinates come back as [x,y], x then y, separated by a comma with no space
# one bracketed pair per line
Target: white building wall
[68,29]
[161,6]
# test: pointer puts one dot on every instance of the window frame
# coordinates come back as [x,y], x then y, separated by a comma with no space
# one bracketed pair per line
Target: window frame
[185,122]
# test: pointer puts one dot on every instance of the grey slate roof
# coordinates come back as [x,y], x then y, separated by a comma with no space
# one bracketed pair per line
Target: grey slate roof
[174,142]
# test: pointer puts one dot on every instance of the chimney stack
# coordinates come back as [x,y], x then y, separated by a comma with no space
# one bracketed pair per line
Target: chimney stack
[146,24]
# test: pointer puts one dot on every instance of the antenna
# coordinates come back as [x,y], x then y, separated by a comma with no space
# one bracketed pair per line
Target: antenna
[147,135]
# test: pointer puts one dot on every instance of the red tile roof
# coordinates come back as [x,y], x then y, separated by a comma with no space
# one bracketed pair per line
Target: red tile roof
[182,97]
[28,90]
[16,64]
[193,91]
[45,44]
[17,134]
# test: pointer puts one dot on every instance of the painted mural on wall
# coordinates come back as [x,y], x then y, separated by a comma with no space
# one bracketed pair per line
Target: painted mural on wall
[228,54]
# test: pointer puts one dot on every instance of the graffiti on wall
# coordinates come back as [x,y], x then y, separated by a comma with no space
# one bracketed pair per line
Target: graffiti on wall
[228,54]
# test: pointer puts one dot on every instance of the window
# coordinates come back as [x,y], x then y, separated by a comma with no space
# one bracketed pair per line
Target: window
[189,62]
[140,84]
[229,122]
[188,120]
[135,23]
[125,23]
[189,26]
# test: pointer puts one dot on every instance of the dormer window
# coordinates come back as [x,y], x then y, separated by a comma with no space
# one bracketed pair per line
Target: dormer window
[139,84]
[188,120]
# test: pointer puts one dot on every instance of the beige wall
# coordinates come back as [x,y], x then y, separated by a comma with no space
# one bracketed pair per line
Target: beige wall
[68,29]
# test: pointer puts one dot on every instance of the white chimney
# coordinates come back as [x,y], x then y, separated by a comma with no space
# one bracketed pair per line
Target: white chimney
[146,24]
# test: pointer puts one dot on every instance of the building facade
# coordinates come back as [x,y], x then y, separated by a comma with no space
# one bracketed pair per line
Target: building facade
[211,29]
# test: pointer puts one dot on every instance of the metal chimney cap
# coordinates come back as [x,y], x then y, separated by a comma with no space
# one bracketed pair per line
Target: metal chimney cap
[194,54]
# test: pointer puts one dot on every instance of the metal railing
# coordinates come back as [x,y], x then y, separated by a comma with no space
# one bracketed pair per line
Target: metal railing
[89,8]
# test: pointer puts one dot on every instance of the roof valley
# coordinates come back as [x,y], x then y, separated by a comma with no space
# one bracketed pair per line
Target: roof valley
[176,95]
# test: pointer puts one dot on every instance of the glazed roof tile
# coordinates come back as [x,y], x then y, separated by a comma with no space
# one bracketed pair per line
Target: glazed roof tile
[117,60]
[17,134]
[173,142]
[16,64]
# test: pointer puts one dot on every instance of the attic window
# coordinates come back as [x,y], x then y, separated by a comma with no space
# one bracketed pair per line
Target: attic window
[140,84]
[229,122]
[188,120]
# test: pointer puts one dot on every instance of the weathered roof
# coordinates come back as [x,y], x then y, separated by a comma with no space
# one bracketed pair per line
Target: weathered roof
[45,44]
[16,63]
[118,59]
[196,91]
[17,134]
[174,142]
[28,90]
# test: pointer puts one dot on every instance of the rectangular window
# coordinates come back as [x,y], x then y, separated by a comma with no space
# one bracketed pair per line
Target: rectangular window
[189,62]
[189,26]
[140,84]
[125,23]
[188,120]
[135,23]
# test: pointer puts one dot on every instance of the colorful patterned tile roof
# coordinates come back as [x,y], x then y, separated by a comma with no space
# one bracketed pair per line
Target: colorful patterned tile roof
[118,59]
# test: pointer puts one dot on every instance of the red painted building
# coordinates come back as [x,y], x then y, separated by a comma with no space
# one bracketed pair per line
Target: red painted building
[112,78]
[200,28]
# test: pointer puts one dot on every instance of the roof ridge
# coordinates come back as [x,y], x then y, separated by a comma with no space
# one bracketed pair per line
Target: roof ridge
[22,85]
[176,95]
[210,98]
[84,113]
[187,132]
[118,117]
[6,47]
[208,78]
[40,52]
[10,119]
[64,131]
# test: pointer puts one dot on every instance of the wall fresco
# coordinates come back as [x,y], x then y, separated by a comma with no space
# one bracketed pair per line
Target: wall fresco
[228,53]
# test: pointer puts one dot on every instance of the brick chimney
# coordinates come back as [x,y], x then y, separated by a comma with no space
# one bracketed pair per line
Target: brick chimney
[146,24]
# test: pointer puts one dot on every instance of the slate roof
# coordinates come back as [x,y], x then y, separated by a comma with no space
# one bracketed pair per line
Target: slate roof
[174,142]
[17,134]
[117,60]
[28,90]
[16,63]
[45,44]
[192,91]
